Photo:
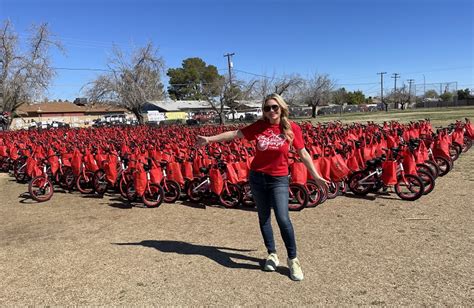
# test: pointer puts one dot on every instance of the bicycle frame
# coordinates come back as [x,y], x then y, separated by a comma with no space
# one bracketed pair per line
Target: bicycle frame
[377,173]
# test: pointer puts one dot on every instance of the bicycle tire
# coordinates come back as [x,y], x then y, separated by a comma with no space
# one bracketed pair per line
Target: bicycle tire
[355,187]
[434,168]
[428,181]
[314,193]
[84,183]
[231,196]
[194,195]
[172,191]
[153,196]
[444,165]
[247,198]
[100,182]
[40,189]
[297,197]
[333,190]
[414,185]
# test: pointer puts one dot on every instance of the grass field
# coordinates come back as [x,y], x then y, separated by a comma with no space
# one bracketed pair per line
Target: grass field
[437,116]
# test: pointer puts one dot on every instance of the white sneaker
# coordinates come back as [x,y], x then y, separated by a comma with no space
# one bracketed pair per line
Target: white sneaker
[271,263]
[296,273]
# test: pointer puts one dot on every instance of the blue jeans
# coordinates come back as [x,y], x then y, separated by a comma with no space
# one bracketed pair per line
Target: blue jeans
[272,192]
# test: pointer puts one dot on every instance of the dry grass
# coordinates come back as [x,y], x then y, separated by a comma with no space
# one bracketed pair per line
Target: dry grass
[437,116]
[78,250]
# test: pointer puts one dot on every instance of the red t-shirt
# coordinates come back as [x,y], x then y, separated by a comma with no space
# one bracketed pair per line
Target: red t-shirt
[272,148]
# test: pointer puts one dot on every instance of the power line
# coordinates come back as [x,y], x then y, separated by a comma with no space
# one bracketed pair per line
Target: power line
[82,69]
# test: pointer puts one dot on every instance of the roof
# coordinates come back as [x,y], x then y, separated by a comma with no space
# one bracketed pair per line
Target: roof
[50,108]
[64,107]
[171,105]
[250,104]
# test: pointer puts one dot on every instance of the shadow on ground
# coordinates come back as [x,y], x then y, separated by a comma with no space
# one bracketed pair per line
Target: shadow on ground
[220,255]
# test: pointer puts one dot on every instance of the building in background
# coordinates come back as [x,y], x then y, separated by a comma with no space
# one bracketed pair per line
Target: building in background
[76,115]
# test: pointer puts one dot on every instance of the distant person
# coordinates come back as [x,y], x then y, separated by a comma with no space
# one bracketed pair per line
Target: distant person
[269,183]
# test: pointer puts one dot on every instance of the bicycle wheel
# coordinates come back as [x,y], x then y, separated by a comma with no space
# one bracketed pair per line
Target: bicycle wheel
[194,194]
[231,196]
[434,169]
[153,195]
[342,188]
[85,183]
[324,194]
[458,147]
[130,192]
[298,197]
[4,164]
[467,144]
[40,189]
[358,188]
[411,188]
[333,190]
[443,164]
[20,174]
[453,152]
[100,182]
[172,191]
[428,181]
[247,199]
[125,178]
[314,193]
[66,178]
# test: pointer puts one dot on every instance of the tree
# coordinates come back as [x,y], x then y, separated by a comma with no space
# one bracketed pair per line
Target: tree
[446,96]
[192,80]
[339,97]
[227,94]
[316,91]
[25,76]
[131,82]
[431,94]
[288,86]
[355,98]
[404,97]
[464,94]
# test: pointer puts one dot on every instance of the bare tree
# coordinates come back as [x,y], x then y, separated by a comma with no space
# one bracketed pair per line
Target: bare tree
[287,86]
[132,81]
[403,97]
[317,91]
[228,94]
[400,98]
[25,76]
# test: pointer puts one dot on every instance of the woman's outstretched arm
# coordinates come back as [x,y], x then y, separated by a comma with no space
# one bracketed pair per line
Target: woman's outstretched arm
[226,136]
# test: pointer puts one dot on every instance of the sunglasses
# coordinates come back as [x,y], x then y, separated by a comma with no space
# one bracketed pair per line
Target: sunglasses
[267,108]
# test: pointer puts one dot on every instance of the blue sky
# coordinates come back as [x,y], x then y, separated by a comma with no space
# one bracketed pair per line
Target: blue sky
[349,40]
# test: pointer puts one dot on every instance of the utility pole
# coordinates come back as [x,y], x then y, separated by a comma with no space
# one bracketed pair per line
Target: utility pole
[381,88]
[229,65]
[424,86]
[410,81]
[395,76]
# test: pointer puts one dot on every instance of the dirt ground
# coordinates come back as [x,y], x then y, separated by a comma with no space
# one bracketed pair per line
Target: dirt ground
[80,250]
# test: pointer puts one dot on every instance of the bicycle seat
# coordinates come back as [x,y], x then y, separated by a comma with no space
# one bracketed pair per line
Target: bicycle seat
[204,170]
[163,163]
[371,163]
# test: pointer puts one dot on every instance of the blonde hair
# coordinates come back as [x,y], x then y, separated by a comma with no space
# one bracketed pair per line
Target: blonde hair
[284,121]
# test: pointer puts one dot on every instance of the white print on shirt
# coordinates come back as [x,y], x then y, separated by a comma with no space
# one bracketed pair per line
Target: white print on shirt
[270,141]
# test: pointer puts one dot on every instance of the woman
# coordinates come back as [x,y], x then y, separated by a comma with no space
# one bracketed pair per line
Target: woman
[274,134]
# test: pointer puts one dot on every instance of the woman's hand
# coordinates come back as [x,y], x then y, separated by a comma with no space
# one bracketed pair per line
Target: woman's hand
[321,182]
[202,140]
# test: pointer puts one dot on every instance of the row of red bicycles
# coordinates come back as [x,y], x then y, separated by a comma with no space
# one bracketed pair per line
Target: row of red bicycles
[156,165]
